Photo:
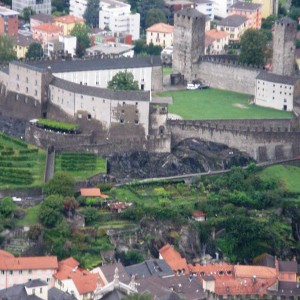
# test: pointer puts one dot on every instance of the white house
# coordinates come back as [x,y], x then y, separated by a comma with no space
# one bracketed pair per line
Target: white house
[116,16]
[276,91]
[39,6]
[206,7]
[221,6]
[78,7]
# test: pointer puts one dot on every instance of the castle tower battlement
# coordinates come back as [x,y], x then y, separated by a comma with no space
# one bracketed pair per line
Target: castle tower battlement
[189,40]
[284,47]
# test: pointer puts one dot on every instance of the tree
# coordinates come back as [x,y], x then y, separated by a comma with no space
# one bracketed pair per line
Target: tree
[27,12]
[7,52]
[35,50]
[60,5]
[253,45]
[91,13]
[60,184]
[123,81]
[81,31]
[90,215]
[7,207]
[294,13]
[70,205]
[51,210]
[155,15]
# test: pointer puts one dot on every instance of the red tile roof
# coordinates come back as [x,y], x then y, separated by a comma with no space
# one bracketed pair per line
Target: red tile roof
[258,271]
[216,34]
[92,192]
[48,27]
[198,214]
[161,27]
[84,281]
[173,258]
[68,19]
[9,262]
[216,269]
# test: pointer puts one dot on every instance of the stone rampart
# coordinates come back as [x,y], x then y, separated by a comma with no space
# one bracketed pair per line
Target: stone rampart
[261,145]
[227,75]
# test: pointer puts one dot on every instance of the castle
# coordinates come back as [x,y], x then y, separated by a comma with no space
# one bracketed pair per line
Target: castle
[117,121]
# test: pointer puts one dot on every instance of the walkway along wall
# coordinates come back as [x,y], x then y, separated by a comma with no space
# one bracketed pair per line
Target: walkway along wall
[261,142]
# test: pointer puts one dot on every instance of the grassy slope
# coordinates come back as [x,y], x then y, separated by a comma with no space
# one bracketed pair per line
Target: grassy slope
[31,216]
[218,104]
[288,174]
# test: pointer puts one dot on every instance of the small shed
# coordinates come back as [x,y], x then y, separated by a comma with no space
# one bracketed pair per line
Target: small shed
[199,216]
[92,192]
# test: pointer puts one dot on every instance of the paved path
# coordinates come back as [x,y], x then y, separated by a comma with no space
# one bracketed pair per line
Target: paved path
[50,161]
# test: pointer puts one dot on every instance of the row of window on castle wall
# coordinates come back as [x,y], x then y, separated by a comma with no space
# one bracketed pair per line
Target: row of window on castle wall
[273,98]
[290,94]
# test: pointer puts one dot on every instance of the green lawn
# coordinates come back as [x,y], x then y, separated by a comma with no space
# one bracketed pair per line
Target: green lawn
[31,216]
[80,165]
[218,104]
[290,175]
[167,70]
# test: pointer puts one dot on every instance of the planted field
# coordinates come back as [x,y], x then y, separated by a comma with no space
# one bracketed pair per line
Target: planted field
[290,175]
[22,165]
[80,165]
[218,104]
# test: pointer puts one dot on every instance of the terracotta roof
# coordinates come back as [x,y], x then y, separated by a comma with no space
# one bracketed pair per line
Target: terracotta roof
[84,281]
[161,27]
[48,27]
[258,271]
[198,214]
[216,34]
[92,192]
[68,19]
[173,258]
[28,263]
[216,269]
[5,254]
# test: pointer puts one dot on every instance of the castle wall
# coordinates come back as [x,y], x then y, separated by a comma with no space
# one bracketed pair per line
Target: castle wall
[227,76]
[157,78]
[261,145]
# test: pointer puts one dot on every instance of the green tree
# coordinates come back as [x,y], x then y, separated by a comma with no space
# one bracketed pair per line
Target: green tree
[7,52]
[294,13]
[70,205]
[82,32]
[131,257]
[51,210]
[27,12]
[297,44]
[60,184]
[91,215]
[269,22]
[7,207]
[91,14]
[155,15]
[35,50]
[253,45]
[123,81]
[60,6]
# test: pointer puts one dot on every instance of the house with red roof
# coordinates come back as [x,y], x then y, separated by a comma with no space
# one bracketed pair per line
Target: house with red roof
[92,192]
[199,216]
[19,270]
[160,34]
[47,32]
[79,282]
[216,41]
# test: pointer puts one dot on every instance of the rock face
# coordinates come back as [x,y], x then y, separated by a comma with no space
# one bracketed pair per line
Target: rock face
[12,126]
[190,156]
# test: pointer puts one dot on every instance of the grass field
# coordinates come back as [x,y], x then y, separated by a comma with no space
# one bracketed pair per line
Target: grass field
[80,165]
[31,216]
[218,104]
[290,175]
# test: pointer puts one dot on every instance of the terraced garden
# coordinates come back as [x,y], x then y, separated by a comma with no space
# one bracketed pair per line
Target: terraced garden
[22,165]
[80,165]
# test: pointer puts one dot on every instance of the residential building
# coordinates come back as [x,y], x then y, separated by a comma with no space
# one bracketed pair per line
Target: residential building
[67,23]
[287,270]
[78,7]
[221,7]
[39,19]
[234,25]
[269,7]
[206,7]
[47,32]
[79,282]
[216,41]
[19,270]
[116,16]
[8,21]
[252,11]
[21,44]
[69,43]
[160,34]
[39,6]
[199,216]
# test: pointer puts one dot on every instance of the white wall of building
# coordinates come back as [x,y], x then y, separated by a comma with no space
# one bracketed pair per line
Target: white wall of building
[69,44]
[117,16]
[274,95]
[100,78]
[221,6]
[43,7]
[206,8]
[78,7]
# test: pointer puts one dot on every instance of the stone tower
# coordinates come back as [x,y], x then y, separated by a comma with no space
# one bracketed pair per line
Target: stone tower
[189,40]
[284,47]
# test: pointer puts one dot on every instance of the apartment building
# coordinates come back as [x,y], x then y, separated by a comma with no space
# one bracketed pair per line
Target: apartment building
[206,7]
[221,7]
[39,6]
[8,22]
[116,16]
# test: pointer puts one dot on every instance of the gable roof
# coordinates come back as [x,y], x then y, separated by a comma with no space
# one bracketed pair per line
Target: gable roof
[173,258]
[271,77]
[288,266]
[68,19]
[108,271]
[233,21]
[48,27]
[35,283]
[245,6]
[198,214]
[161,27]
[257,271]
[216,34]
[90,192]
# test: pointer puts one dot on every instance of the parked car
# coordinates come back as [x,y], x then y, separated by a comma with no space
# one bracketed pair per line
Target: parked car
[196,84]
[192,86]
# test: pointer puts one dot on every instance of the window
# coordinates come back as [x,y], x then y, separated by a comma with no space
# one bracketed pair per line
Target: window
[122,121]
[11,272]
[136,121]
[89,116]
[41,290]
[26,89]
[20,271]
[30,271]
[2,272]
[35,93]
[48,279]
[33,291]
